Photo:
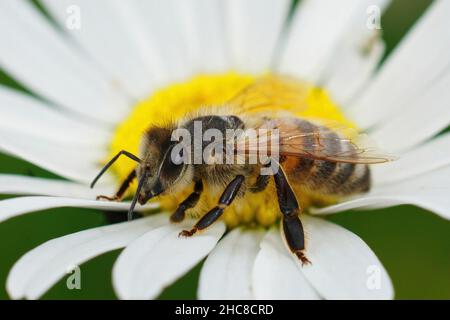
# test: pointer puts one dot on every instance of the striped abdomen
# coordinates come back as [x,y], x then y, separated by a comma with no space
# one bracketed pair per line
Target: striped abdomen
[323,176]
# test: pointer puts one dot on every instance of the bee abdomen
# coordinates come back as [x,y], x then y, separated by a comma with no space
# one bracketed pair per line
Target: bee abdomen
[346,179]
[329,177]
[350,179]
[359,181]
[323,176]
[322,171]
[343,173]
[304,166]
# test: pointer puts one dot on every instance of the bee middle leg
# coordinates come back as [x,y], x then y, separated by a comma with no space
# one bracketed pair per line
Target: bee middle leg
[292,226]
[190,202]
[227,197]
[122,189]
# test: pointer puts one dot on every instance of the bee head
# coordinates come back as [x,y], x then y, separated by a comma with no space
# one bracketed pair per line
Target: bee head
[162,167]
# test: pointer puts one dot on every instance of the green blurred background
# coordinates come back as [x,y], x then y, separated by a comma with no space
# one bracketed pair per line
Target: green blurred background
[413,244]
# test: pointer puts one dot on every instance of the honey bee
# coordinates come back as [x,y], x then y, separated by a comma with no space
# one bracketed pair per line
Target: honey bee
[310,157]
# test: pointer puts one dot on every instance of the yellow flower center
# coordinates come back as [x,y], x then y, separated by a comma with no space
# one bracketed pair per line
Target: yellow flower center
[175,101]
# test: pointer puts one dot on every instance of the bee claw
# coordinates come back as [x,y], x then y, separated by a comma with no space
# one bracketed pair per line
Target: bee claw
[301,256]
[187,233]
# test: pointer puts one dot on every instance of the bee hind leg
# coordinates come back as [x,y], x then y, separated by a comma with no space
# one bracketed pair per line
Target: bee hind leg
[225,200]
[122,189]
[292,226]
[190,202]
[295,237]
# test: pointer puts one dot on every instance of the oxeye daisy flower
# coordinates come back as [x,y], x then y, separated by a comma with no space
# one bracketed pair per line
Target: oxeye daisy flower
[104,71]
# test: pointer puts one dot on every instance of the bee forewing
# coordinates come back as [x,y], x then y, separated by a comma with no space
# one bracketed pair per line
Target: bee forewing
[316,144]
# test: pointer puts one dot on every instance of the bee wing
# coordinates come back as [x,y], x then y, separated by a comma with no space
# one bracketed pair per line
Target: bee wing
[351,152]
[271,93]
[328,144]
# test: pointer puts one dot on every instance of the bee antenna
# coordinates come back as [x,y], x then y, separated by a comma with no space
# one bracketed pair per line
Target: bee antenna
[136,195]
[111,162]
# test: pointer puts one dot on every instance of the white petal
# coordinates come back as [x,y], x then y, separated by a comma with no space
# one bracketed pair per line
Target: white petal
[111,34]
[164,28]
[429,191]
[158,258]
[394,89]
[18,206]
[430,156]
[426,116]
[363,202]
[22,185]
[26,114]
[343,266]
[204,32]
[75,163]
[227,271]
[34,53]
[348,77]
[254,28]
[42,267]
[316,29]
[356,56]
[276,275]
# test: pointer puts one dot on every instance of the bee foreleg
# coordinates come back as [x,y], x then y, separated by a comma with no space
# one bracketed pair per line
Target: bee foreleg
[225,200]
[292,226]
[190,202]
[122,189]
